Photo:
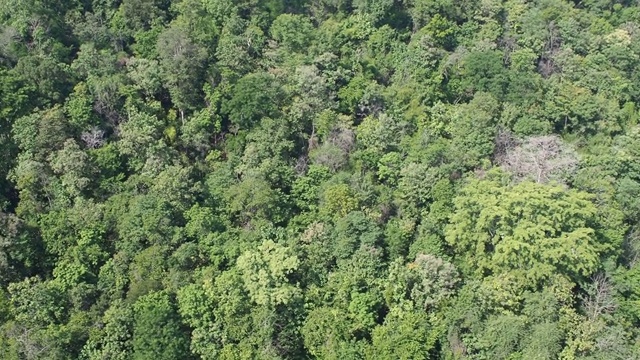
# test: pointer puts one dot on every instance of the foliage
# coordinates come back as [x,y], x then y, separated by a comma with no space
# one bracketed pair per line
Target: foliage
[326,179]
[529,231]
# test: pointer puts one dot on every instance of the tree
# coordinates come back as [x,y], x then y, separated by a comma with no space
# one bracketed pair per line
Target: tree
[254,96]
[142,220]
[484,71]
[196,307]
[183,63]
[254,198]
[266,274]
[376,10]
[139,137]
[312,96]
[355,289]
[473,129]
[326,335]
[405,334]
[41,132]
[542,159]
[146,75]
[49,75]
[73,166]
[353,230]
[528,230]
[140,14]
[292,32]
[147,272]
[338,142]
[422,10]
[339,200]
[21,252]
[43,323]
[113,341]
[199,130]
[157,331]
[427,282]
[79,107]
[240,43]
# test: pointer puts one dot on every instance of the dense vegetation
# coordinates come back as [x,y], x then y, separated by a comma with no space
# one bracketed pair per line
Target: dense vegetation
[328,179]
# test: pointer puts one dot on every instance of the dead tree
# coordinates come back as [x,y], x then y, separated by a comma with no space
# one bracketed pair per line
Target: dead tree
[541,158]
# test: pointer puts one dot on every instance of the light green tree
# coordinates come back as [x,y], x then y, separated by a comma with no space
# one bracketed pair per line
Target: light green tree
[530,231]
[266,273]
[405,334]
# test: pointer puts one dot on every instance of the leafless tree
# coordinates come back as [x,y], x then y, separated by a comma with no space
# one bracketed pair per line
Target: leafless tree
[334,151]
[505,141]
[302,164]
[600,298]
[509,44]
[31,346]
[106,100]
[330,156]
[343,137]
[93,138]
[547,66]
[370,104]
[8,35]
[541,158]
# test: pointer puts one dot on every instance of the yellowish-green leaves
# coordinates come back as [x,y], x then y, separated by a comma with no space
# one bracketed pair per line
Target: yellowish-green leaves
[265,273]
[339,200]
[530,231]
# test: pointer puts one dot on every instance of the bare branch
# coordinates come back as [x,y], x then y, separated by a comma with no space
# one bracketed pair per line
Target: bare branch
[542,159]
[600,299]
[93,138]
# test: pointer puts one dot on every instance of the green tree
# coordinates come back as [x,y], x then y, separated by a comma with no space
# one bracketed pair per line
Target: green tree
[139,137]
[114,340]
[405,334]
[473,130]
[530,231]
[157,331]
[73,166]
[254,198]
[326,335]
[292,32]
[254,96]
[183,62]
[266,274]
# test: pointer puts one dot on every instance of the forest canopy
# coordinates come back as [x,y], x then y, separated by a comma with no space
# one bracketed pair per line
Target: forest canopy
[320,179]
